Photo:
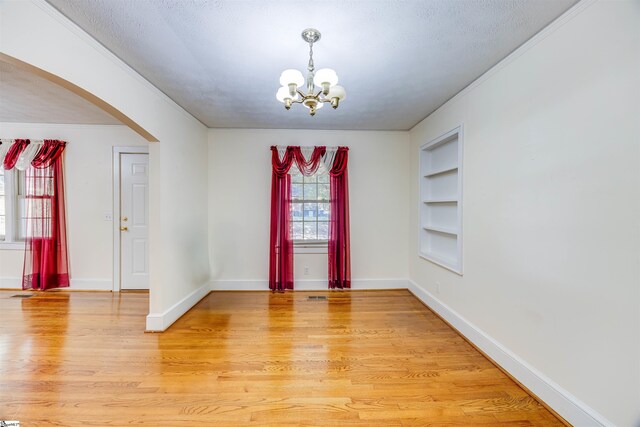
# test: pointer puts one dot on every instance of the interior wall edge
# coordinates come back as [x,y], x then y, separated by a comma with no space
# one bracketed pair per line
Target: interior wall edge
[159,322]
[560,400]
[523,48]
[75,285]
[308,285]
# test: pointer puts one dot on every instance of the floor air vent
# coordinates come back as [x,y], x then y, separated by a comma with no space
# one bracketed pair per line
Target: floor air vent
[317,298]
[23,296]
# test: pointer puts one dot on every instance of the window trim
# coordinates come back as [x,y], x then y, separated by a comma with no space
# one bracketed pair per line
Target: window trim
[310,246]
[11,241]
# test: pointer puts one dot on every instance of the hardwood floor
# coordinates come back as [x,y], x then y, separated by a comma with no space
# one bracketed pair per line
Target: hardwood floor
[377,358]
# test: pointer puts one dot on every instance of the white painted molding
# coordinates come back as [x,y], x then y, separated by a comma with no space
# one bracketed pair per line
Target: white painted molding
[90,285]
[158,322]
[564,403]
[11,246]
[62,126]
[11,283]
[306,285]
[523,48]
[75,285]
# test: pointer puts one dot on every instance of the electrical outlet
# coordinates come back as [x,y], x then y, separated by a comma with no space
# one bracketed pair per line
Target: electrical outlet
[306,270]
[437,288]
[108,216]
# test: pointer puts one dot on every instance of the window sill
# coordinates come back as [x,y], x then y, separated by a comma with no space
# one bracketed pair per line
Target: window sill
[12,246]
[310,249]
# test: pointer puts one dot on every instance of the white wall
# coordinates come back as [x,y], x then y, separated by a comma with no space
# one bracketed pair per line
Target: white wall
[552,206]
[179,270]
[240,194]
[89,196]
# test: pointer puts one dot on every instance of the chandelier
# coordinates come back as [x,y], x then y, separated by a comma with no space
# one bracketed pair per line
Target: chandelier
[325,79]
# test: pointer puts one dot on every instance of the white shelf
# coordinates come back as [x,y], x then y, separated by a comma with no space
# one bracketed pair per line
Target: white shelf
[441,171]
[440,216]
[449,264]
[441,229]
[430,201]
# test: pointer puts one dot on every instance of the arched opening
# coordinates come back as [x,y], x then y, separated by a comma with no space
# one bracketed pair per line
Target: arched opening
[88,96]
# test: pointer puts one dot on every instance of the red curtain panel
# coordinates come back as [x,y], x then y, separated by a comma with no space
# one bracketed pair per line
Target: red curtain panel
[46,264]
[339,246]
[14,152]
[280,242]
[308,168]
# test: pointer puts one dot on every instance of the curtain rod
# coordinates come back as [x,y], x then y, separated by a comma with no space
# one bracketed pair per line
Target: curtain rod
[11,140]
[283,147]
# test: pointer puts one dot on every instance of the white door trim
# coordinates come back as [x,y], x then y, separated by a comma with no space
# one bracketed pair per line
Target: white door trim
[116,208]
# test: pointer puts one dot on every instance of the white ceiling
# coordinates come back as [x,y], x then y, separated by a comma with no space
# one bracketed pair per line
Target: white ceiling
[398,60]
[28,98]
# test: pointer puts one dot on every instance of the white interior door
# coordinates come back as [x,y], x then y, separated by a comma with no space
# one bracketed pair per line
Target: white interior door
[134,221]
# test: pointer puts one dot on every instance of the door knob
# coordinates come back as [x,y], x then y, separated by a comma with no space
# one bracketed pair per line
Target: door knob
[124,228]
[125,219]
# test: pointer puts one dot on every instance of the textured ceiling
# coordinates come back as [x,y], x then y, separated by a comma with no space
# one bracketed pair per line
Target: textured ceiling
[28,98]
[398,60]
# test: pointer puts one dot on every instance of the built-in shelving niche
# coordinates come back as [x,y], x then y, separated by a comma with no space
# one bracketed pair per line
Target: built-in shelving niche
[440,237]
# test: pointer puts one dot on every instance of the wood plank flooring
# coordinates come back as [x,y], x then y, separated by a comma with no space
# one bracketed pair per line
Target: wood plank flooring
[377,358]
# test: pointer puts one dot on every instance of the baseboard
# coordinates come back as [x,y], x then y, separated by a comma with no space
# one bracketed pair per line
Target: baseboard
[10,283]
[560,400]
[158,322]
[76,284]
[91,284]
[306,285]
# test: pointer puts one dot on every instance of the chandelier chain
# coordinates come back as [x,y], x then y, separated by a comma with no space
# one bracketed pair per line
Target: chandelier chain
[310,67]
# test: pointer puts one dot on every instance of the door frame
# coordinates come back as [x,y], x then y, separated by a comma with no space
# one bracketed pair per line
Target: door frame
[117,151]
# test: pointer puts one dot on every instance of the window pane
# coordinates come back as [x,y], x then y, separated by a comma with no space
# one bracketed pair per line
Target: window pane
[323,230]
[296,176]
[3,227]
[310,192]
[323,191]
[323,211]
[310,231]
[296,211]
[311,179]
[2,207]
[297,230]
[310,211]
[296,191]
[323,177]
[49,190]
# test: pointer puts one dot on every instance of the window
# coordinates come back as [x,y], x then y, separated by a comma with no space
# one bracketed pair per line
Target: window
[37,188]
[310,207]
[12,202]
